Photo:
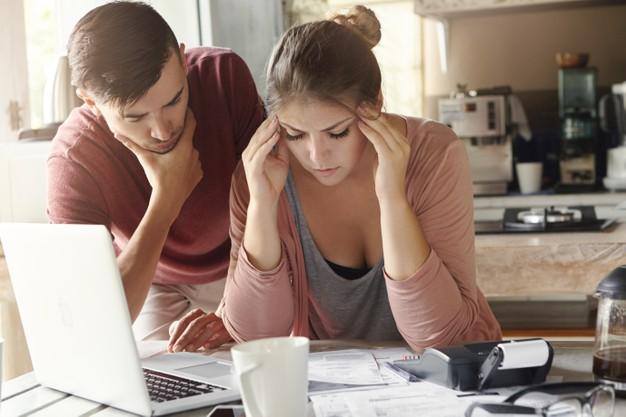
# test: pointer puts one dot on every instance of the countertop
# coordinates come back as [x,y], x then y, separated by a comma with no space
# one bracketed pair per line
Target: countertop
[548,265]
[543,199]
[616,234]
[528,263]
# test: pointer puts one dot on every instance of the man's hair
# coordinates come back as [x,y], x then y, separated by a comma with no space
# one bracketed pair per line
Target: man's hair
[117,51]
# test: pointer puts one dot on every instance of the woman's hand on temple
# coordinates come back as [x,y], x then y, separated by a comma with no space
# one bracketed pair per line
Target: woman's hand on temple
[266,163]
[393,150]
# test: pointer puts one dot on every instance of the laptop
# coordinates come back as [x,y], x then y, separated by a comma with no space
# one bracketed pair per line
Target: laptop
[73,308]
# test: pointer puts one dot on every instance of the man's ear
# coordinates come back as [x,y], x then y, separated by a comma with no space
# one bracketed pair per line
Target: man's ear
[89,101]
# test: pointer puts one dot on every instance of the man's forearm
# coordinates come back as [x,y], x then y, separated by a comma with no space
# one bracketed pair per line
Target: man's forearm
[139,259]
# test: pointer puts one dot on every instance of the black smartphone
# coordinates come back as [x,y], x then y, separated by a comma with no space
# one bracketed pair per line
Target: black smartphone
[227,411]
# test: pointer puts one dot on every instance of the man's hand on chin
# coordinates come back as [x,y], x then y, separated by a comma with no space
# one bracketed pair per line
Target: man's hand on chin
[172,175]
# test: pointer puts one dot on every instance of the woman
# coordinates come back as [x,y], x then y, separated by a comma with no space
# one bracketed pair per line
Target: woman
[347,222]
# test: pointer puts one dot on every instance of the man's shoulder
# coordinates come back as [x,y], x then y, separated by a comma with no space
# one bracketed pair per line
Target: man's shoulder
[80,135]
[218,76]
[202,58]
[206,52]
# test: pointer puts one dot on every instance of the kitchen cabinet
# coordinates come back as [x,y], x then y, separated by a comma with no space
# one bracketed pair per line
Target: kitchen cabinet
[446,11]
[453,8]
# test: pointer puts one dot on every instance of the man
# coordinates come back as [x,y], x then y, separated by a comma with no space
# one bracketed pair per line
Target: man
[150,155]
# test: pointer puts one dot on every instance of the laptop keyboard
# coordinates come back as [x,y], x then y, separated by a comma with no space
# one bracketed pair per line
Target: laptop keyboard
[163,387]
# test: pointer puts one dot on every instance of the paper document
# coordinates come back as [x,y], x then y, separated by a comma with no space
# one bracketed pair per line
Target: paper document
[330,405]
[353,367]
[418,399]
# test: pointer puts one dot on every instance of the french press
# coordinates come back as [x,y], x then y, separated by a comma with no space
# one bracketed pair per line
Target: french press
[609,352]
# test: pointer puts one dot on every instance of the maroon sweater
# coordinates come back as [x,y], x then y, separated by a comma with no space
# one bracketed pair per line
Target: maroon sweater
[94,179]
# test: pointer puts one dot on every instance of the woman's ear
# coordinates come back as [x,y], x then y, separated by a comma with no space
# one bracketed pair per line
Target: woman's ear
[89,101]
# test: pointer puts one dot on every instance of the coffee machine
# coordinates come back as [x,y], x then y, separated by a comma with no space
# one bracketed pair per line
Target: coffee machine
[612,114]
[578,126]
[481,122]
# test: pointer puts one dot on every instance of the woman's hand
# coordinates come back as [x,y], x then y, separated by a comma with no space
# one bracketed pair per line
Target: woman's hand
[393,151]
[405,248]
[197,330]
[266,163]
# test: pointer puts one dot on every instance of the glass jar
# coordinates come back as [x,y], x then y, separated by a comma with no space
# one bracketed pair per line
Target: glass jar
[609,352]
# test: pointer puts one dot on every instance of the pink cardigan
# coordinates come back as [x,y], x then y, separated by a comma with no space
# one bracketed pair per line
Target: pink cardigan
[439,305]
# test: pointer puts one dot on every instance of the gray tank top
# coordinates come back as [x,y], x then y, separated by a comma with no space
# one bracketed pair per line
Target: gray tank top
[358,308]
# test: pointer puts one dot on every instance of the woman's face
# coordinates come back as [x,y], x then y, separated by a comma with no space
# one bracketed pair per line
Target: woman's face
[323,137]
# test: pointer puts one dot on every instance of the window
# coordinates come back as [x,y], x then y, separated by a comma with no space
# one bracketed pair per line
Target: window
[13,83]
[399,52]
[41,51]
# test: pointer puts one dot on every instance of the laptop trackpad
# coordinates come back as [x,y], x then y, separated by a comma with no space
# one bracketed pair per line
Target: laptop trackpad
[209,370]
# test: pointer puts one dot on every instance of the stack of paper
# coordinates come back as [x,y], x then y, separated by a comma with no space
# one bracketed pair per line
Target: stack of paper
[353,369]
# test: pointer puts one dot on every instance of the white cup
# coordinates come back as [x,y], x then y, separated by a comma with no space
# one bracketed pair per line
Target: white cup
[273,376]
[529,176]
[616,162]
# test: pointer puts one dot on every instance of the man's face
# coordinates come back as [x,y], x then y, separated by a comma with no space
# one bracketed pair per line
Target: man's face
[154,122]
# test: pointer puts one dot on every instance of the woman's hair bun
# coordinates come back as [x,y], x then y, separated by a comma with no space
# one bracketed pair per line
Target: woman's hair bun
[362,20]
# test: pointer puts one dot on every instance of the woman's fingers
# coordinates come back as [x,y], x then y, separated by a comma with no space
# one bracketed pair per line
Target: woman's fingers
[381,125]
[256,165]
[267,147]
[267,127]
[379,143]
[282,152]
[265,132]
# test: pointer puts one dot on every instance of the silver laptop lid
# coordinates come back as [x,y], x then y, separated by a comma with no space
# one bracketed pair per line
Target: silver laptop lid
[73,308]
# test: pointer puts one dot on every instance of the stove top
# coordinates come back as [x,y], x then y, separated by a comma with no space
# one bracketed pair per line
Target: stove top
[545,220]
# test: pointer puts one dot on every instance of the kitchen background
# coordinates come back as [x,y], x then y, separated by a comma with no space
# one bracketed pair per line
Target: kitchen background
[535,282]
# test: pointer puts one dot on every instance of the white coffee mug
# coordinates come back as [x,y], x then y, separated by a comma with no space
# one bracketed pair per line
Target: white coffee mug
[273,376]
[616,162]
[529,176]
